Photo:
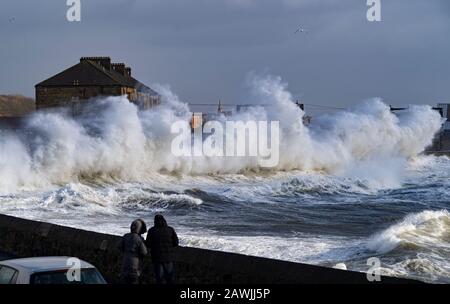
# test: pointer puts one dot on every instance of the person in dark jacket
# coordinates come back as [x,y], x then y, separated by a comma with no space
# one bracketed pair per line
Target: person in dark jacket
[161,240]
[133,247]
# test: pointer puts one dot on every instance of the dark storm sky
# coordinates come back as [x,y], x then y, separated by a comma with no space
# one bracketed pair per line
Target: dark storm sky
[205,48]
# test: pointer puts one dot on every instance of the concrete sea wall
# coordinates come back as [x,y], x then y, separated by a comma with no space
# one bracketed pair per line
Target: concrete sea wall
[26,238]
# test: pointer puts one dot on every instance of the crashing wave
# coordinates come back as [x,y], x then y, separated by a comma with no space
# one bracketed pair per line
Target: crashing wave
[112,139]
[153,201]
[420,230]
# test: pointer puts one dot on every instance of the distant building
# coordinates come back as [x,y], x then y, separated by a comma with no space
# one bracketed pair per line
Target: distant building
[300,105]
[219,107]
[198,120]
[221,111]
[92,77]
[441,142]
[444,109]
[306,118]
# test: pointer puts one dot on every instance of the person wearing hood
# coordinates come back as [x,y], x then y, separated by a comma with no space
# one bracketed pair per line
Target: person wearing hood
[133,247]
[161,240]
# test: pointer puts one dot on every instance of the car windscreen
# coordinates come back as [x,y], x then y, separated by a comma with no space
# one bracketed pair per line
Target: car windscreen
[8,275]
[87,276]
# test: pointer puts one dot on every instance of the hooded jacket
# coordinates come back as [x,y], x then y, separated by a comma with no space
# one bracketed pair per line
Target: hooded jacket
[133,248]
[161,240]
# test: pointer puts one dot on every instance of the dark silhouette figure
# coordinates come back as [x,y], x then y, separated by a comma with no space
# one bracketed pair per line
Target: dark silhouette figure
[133,248]
[161,240]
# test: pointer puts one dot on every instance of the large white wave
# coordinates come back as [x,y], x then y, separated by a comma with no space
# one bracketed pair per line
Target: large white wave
[420,230]
[112,139]
[424,238]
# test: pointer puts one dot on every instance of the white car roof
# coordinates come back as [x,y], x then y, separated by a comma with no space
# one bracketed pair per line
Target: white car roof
[41,264]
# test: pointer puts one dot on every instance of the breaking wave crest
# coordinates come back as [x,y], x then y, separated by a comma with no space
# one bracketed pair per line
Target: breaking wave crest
[112,139]
[420,230]
[154,201]
[423,240]
[330,185]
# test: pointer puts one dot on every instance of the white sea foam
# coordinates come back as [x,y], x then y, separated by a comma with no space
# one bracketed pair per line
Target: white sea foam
[425,229]
[340,266]
[160,201]
[423,239]
[307,249]
[114,140]
[100,170]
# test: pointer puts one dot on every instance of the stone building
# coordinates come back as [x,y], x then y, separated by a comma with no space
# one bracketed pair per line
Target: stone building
[441,142]
[92,77]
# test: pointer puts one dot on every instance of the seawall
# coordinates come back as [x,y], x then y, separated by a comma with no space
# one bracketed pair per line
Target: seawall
[25,238]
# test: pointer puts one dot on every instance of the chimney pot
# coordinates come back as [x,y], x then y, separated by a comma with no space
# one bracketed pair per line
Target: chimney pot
[119,68]
[103,61]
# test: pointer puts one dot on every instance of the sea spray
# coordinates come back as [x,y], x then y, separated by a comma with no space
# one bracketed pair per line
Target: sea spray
[112,139]
[422,229]
[422,240]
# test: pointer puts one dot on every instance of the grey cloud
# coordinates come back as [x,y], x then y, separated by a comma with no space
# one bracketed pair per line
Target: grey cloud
[204,49]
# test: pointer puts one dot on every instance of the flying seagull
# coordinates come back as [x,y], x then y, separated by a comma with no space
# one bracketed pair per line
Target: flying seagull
[301,30]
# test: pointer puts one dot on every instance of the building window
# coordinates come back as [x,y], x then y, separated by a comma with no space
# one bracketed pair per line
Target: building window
[76,82]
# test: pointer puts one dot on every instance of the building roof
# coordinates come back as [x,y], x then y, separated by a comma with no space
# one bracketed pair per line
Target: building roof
[89,72]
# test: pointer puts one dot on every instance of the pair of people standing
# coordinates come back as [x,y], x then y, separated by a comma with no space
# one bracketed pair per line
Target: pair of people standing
[161,241]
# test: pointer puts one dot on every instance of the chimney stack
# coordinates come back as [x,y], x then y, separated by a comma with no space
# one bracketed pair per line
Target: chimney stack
[119,68]
[128,71]
[103,61]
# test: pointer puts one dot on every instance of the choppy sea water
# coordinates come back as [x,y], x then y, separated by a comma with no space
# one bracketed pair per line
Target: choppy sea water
[349,186]
[309,217]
